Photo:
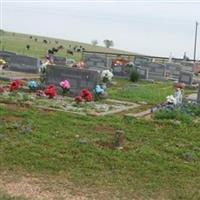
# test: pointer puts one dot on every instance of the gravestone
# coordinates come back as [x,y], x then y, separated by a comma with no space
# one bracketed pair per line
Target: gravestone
[187,66]
[26,64]
[140,60]
[143,72]
[156,71]
[173,70]
[122,71]
[6,55]
[198,95]
[186,77]
[94,60]
[59,60]
[78,78]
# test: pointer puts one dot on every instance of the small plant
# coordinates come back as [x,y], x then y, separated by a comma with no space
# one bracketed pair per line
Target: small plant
[134,76]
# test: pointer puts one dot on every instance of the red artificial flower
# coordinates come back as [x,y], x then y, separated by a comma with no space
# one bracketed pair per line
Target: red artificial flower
[179,85]
[50,91]
[78,99]
[15,85]
[86,95]
[1,90]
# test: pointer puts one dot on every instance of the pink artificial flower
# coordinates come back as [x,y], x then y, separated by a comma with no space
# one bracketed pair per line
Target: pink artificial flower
[65,84]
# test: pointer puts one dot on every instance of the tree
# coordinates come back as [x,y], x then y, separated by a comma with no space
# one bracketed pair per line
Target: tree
[108,43]
[94,42]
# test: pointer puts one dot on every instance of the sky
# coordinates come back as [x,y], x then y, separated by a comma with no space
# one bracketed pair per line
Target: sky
[155,28]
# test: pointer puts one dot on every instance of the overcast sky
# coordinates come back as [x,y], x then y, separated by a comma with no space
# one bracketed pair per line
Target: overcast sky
[148,27]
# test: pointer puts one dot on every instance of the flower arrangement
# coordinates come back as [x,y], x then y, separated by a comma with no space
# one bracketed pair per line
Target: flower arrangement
[15,85]
[86,95]
[50,91]
[32,85]
[106,76]
[78,99]
[98,90]
[65,85]
[1,90]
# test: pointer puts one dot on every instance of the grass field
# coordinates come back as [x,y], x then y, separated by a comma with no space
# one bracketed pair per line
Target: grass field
[153,164]
[160,159]
[17,42]
[151,93]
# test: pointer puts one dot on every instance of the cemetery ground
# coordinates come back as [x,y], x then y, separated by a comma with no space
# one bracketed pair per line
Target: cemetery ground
[57,155]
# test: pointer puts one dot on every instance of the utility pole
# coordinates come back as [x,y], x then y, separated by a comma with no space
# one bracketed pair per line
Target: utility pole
[195,41]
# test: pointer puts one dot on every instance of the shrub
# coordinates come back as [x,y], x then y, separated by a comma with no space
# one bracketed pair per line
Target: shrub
[134,76]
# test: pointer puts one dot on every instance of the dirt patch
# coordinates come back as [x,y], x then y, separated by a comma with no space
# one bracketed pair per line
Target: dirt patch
[14,106]
[31,187]
[34,187]
[105,130]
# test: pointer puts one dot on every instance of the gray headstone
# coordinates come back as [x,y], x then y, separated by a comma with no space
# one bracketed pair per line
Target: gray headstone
[173,70]
[94,60]
[156,71]
[143,72]
[59,60]
[78,78]
[140,60]
[186,77]
[24,64]
[6,55]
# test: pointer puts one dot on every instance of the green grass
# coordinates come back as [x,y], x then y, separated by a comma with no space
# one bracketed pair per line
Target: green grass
[17,42]
[151,93]
[152,164]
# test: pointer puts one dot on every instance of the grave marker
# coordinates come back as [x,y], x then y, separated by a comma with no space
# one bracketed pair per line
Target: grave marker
[26,64]
[186,77]
[59,60]
[94,60]
[78,78]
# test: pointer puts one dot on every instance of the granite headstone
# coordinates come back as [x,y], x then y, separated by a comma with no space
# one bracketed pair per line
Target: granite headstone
[59,60]
[78,78]
[23,63]
[94,60]
[186,77]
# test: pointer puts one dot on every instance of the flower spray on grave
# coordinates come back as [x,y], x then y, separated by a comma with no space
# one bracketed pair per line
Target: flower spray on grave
[32,85]
[50,91]
[100,92]
[106,76]
[15,85]
[85,96]
[65,85]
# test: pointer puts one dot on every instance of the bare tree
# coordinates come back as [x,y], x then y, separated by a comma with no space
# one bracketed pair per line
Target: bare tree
[108,43]
[94,42]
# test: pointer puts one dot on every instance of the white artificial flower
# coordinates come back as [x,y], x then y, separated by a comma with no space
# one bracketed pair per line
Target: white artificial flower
[108,74]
